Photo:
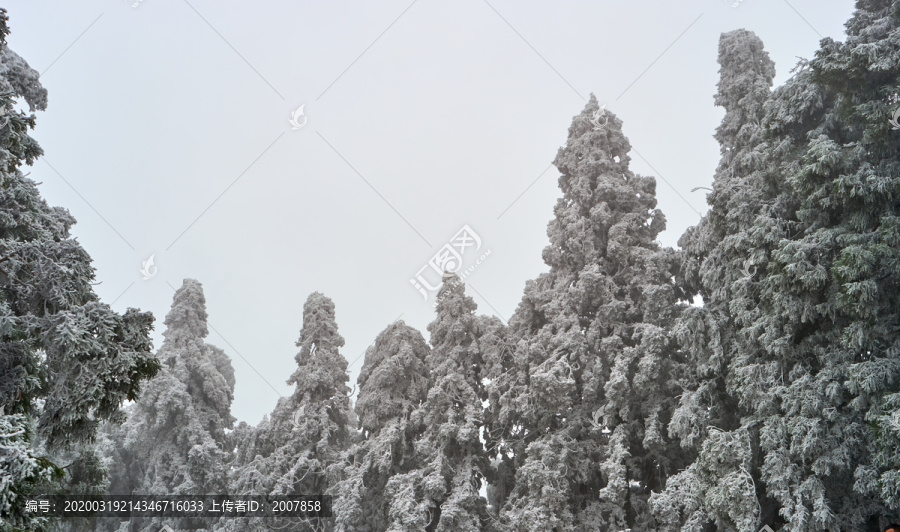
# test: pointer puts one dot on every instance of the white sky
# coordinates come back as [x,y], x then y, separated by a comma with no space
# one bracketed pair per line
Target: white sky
[168,125]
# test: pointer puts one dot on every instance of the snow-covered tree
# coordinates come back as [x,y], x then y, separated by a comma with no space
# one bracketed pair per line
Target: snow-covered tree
[86,476]
[443,493]
[815,372]
[393,383]
[67,361]
[720,258]
[849,185]
[184,411]
[496,353]
[829,315]
[301,448]
[587,394]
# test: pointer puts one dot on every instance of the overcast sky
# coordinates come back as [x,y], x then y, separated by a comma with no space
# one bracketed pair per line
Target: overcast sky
[169,133]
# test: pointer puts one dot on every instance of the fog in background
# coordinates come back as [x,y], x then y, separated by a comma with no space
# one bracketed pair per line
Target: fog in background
[168,133]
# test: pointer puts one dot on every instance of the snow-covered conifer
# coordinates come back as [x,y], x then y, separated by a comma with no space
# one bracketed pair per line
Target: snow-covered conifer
[174,439]
[67,361]
[443,494]
[720,261]
[588,393]
[815,370]
[393,383]
[826,390]
[301,448]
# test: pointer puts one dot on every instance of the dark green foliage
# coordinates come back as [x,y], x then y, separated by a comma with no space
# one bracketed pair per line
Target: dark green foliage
[67,361]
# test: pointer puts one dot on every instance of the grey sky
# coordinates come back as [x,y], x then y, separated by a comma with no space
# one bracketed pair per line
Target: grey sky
[168,129]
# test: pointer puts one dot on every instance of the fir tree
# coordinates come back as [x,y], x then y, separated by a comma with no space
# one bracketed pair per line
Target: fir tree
[393,383]
[828,312]
[443,494]
[67,361]
[300,449]
[174,440]
[497,357]
[816,373]
[583,408]
[720,259]
[851,206]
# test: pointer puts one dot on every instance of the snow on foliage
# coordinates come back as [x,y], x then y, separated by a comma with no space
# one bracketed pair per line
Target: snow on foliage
[67,361]
[798,266]
[608,403]
[393,383]
[300,448]
[443,493]
[185,411]
[722,262]
[590,348]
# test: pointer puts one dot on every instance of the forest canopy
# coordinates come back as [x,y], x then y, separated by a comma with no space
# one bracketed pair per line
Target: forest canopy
[748,378]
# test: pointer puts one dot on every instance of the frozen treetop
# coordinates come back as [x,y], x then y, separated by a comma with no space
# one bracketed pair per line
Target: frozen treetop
[17,77]
[187,318]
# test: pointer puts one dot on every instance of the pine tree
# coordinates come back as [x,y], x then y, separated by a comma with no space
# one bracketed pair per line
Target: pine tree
[496,353]
[443,494]
[852,205]
[174,440]
[67,361]
[393,383]
[583,406]
[720,258]
[300,449]
[828,312]
[816,372]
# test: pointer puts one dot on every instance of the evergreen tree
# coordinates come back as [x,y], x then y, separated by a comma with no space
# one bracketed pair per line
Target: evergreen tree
[393,383]
[816,374]
[720,258]
[443,494]
[300,449]
[122,477]
[852,206]
[583,406]
[828,304]
[496,354]
[174,439]
[67,361]
[87,476]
